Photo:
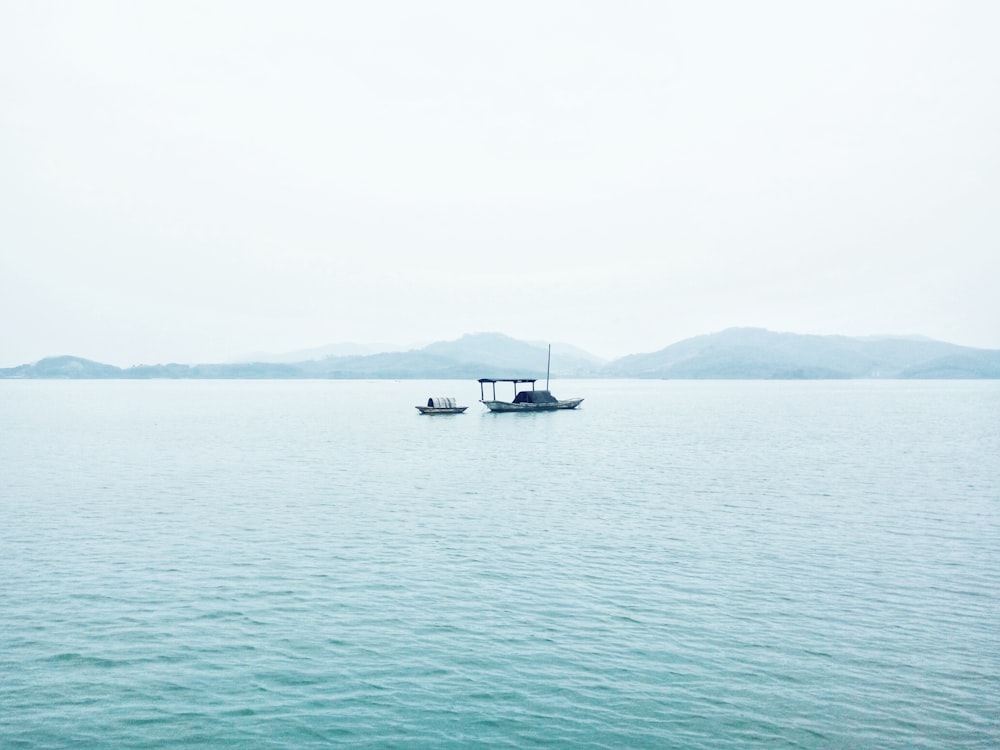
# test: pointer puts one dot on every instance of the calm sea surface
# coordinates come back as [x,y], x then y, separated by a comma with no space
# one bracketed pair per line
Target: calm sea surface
[290,564]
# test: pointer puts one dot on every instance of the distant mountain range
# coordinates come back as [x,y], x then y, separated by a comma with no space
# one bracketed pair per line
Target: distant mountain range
[755,353]
[736,353]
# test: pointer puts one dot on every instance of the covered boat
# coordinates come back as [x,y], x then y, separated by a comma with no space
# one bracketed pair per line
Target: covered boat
[441,405]
[533,400]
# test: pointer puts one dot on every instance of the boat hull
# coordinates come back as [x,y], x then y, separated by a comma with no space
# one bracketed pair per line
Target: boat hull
[441,409]
[570,403]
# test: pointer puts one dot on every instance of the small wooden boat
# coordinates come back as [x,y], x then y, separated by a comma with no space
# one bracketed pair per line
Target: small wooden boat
[441,405]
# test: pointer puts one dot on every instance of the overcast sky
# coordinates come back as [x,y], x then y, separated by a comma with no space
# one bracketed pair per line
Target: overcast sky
[191,181]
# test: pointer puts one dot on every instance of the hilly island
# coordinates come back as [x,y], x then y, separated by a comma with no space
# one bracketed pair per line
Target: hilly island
[734,354]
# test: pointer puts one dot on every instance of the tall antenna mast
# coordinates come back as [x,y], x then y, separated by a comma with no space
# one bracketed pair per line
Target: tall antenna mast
[548,365]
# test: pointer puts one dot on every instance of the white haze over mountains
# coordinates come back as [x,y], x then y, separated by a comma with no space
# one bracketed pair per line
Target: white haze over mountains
[352,349]
[185,181]
[320,352]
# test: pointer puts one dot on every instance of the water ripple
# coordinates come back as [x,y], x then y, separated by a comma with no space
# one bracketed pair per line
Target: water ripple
[699,565]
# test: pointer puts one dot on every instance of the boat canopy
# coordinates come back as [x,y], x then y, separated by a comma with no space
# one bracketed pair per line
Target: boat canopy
[442,402]
[535,397]
[494,381]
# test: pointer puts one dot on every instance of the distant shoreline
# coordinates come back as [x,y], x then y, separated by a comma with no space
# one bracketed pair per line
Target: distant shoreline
[733,354]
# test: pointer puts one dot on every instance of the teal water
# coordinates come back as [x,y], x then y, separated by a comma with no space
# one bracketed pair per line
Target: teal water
[676,564]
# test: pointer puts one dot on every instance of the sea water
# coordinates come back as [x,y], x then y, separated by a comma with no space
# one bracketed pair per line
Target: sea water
[294,564]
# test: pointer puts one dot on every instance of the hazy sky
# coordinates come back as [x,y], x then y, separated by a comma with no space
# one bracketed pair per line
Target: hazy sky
[191,181]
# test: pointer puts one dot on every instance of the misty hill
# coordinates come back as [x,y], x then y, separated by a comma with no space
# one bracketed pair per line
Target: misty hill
[77,368]
[349,349]
[755,353]
[736,353]
[472,356]
[570,353]
[64,367]
[412,364]
[503,356]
